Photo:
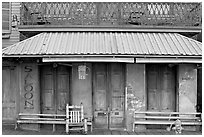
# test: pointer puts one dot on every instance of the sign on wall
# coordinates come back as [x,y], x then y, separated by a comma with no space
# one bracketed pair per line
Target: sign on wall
[28,88]
[82,71]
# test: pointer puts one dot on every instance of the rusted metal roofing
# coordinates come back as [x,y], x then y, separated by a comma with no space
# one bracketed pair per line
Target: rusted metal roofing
[105,43]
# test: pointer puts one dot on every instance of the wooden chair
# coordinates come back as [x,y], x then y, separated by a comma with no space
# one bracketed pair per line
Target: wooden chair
[75,119]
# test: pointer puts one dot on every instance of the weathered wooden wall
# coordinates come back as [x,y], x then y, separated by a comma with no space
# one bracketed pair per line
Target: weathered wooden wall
[135,92]
[187,78]
[82,88]
[187,89]
[13,37]
[9,92]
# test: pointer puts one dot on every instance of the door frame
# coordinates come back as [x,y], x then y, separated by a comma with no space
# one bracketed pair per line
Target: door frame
[176,84]
[108,86]
[54,67]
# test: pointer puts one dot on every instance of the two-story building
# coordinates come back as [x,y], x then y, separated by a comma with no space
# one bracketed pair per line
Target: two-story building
[115,58]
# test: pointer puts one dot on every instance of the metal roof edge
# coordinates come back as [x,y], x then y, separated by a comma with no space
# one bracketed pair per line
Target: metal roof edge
[84,56]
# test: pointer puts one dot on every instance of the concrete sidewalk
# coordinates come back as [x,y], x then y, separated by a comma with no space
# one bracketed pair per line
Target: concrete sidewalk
[10,130]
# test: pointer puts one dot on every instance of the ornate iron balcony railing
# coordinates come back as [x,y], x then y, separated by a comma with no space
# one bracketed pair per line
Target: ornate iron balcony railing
[111,13]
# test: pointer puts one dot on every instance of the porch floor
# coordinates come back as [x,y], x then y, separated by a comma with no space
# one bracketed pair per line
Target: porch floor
[9,130]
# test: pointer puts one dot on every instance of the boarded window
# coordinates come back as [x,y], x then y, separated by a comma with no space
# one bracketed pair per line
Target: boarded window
[6,17]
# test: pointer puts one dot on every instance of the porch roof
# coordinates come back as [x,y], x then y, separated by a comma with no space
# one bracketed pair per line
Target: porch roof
[129,44]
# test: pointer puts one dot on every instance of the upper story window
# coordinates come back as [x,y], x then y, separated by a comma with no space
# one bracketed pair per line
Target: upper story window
[6,17]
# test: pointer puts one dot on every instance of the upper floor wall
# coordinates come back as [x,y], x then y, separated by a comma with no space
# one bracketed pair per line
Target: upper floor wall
[10,22]
[111,13]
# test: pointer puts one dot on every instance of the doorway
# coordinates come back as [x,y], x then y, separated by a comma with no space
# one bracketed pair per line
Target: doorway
[161,87]
[108,95]
[55,88]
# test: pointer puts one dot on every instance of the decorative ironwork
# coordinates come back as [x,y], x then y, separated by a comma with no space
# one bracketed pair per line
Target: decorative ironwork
[111,13]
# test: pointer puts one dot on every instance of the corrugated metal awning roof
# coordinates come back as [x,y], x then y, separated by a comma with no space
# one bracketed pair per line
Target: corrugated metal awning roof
[105,43]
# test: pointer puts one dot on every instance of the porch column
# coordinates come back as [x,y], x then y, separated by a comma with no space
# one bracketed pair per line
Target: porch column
[187,89]
[135,93]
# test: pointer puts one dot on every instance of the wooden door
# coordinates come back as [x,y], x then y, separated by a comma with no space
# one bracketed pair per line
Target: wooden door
[117,96]
[55,89]
[108,95]
[153,88]
[100,97]
[161,88]
[9,90]
[62,87]
[47,86]
[168,89]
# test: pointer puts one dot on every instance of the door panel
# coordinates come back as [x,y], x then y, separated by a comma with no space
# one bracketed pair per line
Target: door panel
[48,106]
[117,96]
[108,95]
[153,91]
[100,96]
[168,96]
[62,88]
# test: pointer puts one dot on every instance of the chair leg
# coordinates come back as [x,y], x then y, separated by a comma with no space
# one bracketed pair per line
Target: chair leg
[85,126]
[91,127]
[53,128]
[16,126]
[133,127]
[67,127]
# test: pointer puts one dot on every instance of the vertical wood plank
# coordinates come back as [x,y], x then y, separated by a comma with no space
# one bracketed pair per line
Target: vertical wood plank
[78,114]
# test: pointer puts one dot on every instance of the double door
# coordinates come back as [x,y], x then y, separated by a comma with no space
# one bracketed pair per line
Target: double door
[161,87]
[108,95]
[55,86]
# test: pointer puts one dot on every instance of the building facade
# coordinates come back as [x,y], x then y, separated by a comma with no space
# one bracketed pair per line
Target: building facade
[115,58]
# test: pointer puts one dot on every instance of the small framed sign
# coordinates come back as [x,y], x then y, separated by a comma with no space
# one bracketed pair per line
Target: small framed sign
[82,71]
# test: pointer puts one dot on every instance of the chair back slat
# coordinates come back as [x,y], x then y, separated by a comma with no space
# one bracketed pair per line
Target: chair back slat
[75,113]
[72,116]
[78,114]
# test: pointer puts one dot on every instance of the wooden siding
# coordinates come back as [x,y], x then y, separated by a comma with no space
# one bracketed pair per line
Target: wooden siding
[13,37]
[9,92]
